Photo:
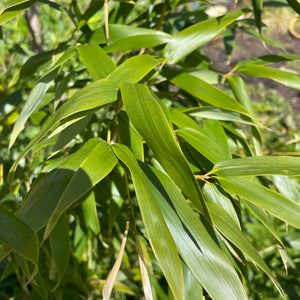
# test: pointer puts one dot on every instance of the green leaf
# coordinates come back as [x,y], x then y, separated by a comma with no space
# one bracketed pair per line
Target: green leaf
[162,243]
[233,233]
[129,136]
[198,250]
[60,246]
[14,9]
[95,166]
[216,113]
[192,288]
[2,49]
[18,236]
[32,102]
[149,120]
[288,187]
[276,204]
[259,165]
[295,5]
[267,59]
[257,7]
[266,220]
[89,213]
[134,69]
[289,79]
[213,194]
[203,143]
[98,63]
[90,97]
[123,38]
[47,189]
[207,93]
[197,35]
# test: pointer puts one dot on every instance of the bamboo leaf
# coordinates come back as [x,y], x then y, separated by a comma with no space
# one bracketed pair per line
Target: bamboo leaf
[123,38]
[232,232]
[213,194]
[257,7]
[208,93]
[295,5]
[197,35]
[133,69]
[32,102]
[89,213]
[216,113]
[14,9]
[98,63]
[48,189]
[203,143]
[90,97]
[148,118]
[161,240]
[259,165]
[276,204]
[95,166]
[19,237]
[198,250]
[287,78]
[60,246]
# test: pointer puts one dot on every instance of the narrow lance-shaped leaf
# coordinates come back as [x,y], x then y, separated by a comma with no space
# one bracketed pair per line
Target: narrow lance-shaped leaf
[32,102]
[89,213]
[276,204]
[18,236]
[60,246]
[257,6]
[287,78]
[198,250]
[295,5]
[95,166]
[150,121]
[124,37]
[92,96]
[133,69]
[197,35]
[47,189]
[241,93]
[202,143]
[13,10]
[98,63]
[232,232]
[208,93]
[259,165]
[161,240]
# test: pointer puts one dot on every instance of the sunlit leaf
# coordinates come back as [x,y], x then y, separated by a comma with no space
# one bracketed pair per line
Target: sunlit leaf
[198,250]
[197,35]
[98,63]
[287,78]
[150,121]
[95,166]
[161,240]
[276,204]
[259,165]
[14,9]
